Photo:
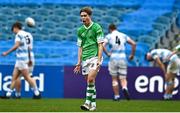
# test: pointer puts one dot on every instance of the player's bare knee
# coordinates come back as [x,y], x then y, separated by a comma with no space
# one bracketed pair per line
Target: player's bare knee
[90,79]
[114,83]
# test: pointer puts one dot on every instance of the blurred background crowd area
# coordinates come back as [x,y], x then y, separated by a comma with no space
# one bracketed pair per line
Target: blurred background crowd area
[151,23]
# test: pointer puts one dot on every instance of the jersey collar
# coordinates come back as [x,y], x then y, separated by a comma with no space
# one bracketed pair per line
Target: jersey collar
[88,26]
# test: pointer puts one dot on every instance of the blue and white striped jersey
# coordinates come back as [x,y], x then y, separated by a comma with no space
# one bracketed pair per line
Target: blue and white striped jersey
[163,54]
[29,41]
[117,41]
[25,39]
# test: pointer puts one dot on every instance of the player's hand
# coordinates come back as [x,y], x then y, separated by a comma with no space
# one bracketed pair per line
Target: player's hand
[4,54]
[30,63]
[98,64]
[77,69]
[131,57]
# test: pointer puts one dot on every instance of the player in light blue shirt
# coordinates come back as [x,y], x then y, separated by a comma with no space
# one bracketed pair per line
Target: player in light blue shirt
[31,60]
[170,67]
[22,59]
[117,65]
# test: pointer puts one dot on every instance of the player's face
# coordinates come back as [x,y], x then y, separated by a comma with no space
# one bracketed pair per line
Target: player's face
[15,30]
[85,18]
[149,57]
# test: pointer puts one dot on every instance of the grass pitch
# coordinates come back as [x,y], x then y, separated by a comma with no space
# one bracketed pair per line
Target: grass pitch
[73,105]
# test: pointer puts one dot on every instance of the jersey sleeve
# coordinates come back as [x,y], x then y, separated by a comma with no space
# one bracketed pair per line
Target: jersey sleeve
[79,39]
[126,37]
[106,39]
[100,34]
[17,38]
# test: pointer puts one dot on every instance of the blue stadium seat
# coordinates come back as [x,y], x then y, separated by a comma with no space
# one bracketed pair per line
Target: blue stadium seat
[54,19]
[62,31]
[67,25]
[48,25]
[56,37]
[38,37]
[42,12]
[56,25]
[155,33]
[160,28]
[49,6]
[25,11]
[60,12]
[73,18]
[150,41]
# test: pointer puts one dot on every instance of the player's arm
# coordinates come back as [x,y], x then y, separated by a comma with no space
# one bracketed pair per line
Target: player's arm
[105,50]
[29,56]
[161,65]
[100,41]
[78,65]
[79,56]
[133,48]
[16,45]
[100,50]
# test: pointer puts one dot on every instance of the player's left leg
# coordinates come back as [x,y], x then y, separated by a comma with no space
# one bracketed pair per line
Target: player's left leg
[18,88]
[172,70]
[169,85]
[15,76]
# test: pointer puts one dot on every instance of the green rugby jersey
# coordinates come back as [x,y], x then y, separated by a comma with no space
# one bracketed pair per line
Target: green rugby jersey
[88,39]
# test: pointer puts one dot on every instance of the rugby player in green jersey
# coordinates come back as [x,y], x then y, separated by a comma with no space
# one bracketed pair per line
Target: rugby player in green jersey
[90,42]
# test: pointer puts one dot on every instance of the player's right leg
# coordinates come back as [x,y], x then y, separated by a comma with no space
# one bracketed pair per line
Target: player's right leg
[23,67]
[124,88]
[122,70]
[32,83]
[87,103]
[31,69]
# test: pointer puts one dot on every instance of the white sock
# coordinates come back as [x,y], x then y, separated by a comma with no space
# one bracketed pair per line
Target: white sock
[125,88]
[36,91]
[93,104]
[116,96]
[8,94]
[17,94]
